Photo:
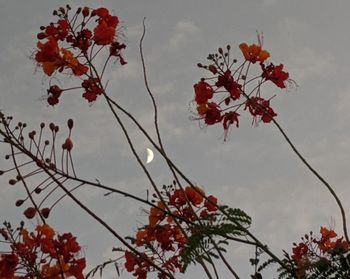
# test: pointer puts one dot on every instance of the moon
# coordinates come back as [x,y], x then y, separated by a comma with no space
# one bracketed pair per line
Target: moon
[150,156]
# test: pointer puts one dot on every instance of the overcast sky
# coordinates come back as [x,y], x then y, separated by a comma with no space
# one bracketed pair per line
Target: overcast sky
[254,170]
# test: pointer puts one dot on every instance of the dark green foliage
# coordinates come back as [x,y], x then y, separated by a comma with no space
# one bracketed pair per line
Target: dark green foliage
[335,267]
[219,227]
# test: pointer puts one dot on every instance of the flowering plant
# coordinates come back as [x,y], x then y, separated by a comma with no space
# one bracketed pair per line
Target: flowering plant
[185,225]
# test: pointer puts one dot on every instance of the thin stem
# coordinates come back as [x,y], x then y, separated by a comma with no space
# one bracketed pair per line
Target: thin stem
[324,182]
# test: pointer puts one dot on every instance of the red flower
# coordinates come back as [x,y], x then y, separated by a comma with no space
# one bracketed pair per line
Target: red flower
[211,204]
[8,264]
[130,261]
[258,106]
[156,215]
[275,74]
[230,118]
[229,84]
[82,40]
[92,89]
[203,92]
[54,93]
[212,114]
[137,265]
[115,50]
[58,31]
[102,12]
[104,33]
[300,251]
[178,198]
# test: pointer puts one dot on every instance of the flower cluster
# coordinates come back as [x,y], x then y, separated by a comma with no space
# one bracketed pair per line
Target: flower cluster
[70,46]
[318,253]
[40,254]
[219,97]
[171,223]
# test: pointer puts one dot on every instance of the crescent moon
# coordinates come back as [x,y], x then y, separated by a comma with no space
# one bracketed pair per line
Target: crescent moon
[150,156]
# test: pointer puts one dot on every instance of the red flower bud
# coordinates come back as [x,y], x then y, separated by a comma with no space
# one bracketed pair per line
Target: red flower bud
[37,190]
[68,144]
[12,181]
[55,91]
[86,11]
[52,126]
[41,36]
[30,212]
[19,202]
[45,212]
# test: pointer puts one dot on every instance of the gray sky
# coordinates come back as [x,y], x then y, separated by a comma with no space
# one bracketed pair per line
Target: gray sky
[254,170]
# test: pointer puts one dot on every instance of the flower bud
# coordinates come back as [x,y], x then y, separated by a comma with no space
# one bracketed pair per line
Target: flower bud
[45,212]
[12,181]
[31,134]
[37,190]
[19,202]
[213,69]
[55,91]
[4,234]
[86,11]
[68,144]
[70,123]
[29,212]
[41,35]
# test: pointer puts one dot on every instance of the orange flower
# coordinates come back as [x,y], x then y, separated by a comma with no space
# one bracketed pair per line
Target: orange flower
[326,244]
[254,53]
[156,215]
[48,56]
[202,109]
[327,234]
[73,63]
[195,196]
[46,230]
